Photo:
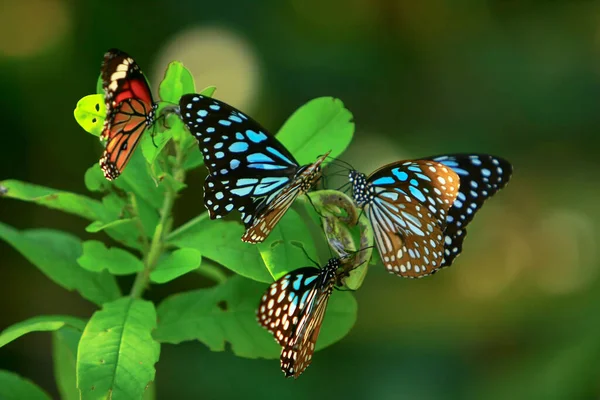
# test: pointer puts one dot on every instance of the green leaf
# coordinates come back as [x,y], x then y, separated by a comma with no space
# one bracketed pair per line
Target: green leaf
[94,179]
[43,323]
[320,125]
[137,179]
[99,85]
[339,213]
[96,257]
[118,209]
[153,142]
[227,313]
[64,355]
[98,226]
[188,141]
[64,201]
[178,81]
[220,241]
[208,91]
[116,353]
[14,387]
[193,159]
[282,250]
[175,264]
[55,254]
[90,113]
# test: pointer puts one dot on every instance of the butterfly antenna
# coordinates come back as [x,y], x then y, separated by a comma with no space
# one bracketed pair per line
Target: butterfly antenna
[346,164]
[313,206]
[316,264]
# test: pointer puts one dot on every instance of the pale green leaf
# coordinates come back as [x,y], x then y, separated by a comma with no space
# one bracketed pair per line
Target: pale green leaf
[90,113]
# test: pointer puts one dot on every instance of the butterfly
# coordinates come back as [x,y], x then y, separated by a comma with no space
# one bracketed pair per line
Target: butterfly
[292,309]
[130,110]
[419,208]
[249,169]
[481,176]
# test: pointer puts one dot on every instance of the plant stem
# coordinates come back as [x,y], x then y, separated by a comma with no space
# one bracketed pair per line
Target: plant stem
[162,229]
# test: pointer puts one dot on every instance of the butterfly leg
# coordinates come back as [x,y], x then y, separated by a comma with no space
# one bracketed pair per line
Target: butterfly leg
[313,206]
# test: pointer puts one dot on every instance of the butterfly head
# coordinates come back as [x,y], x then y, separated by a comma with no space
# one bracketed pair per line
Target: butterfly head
[151,116]
[330,269]
[360,187]
[310,174]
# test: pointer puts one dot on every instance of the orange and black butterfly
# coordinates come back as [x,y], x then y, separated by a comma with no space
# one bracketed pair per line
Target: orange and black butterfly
[130,110]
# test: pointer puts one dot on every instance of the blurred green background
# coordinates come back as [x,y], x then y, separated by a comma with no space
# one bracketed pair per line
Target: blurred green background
[516,316]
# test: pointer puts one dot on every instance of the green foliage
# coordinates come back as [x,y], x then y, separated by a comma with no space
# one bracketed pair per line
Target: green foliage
[13,387]
[39,324]
[285,245]
[97,257]
[55,254]
[176,264]
[114,353]
[220,241]
[227,313]
[64,355]
[320,125]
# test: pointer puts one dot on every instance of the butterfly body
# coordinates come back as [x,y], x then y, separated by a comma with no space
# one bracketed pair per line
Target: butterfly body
[417,207]
[130,110]
[249,169]
[292,309]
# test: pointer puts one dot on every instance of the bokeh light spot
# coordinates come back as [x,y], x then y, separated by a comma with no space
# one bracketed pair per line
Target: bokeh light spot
[215,56]
[28,27]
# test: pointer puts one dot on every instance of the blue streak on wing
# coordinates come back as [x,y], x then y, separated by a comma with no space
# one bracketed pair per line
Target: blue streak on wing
[386,180]
[266,166]
[276,152]
[259,158]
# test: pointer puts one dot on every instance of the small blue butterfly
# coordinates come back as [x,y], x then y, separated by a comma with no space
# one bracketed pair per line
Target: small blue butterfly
[419,209]
[292,309]
[249,169]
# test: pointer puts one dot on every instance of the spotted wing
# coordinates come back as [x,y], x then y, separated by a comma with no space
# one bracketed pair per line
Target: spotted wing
[481,176]
[129,110]
[408,212]
[248,167]
[292,309]
[261,223]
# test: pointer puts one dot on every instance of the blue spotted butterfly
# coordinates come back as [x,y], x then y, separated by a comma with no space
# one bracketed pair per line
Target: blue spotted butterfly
[419,209]
[481,176]
[249,169]
[292,309]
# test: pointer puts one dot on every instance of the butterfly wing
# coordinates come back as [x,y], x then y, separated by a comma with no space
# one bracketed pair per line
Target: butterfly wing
[297,355]
[292,309]
[129,110]
[249,169]
[261,223]
[481,176]
[408,206]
